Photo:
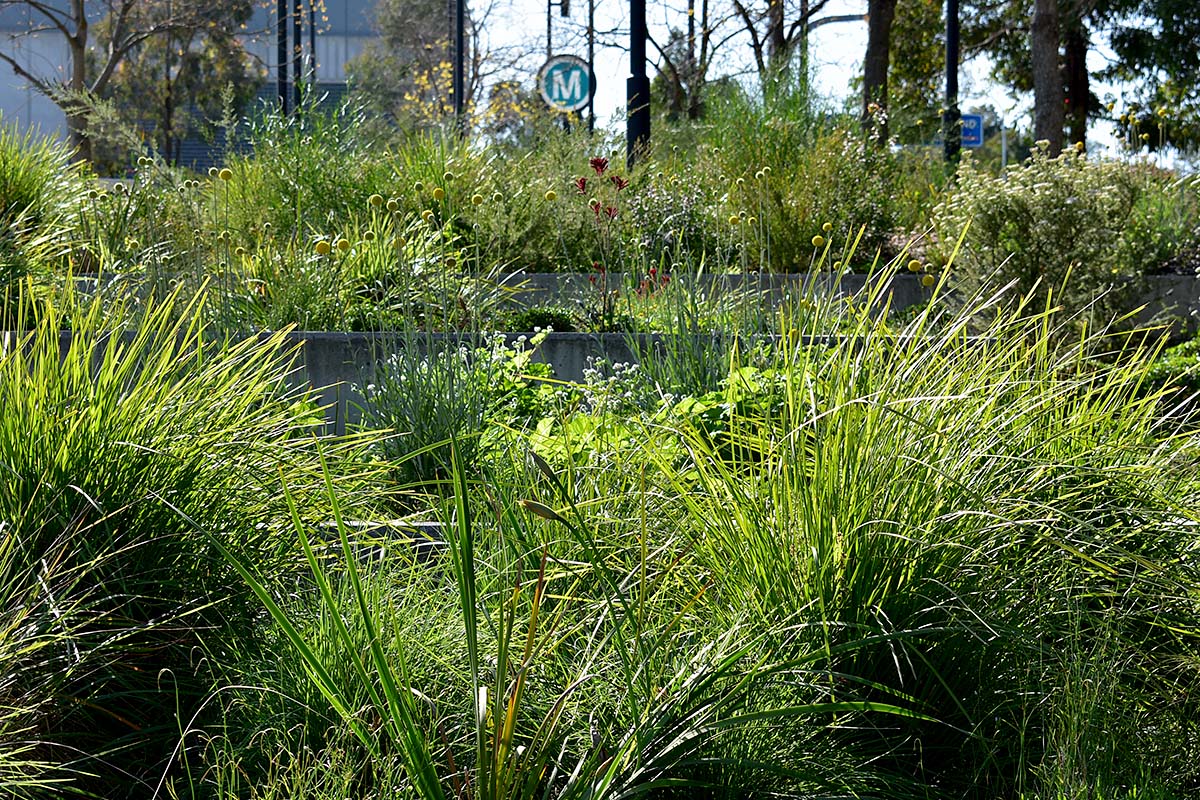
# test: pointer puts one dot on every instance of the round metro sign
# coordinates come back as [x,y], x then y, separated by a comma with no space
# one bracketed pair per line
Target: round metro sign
[566,83]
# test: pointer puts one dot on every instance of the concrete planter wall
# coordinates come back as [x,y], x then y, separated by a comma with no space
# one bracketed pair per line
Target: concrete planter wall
[334,364]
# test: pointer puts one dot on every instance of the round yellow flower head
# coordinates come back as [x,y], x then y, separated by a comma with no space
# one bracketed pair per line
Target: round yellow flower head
[447,176]
[827,227]
[212,172]
[734,219]
[1080,147]
[343,245]
[928,280]
[476,199]
[427,215]
[1162,112]
[837,265]
[225,174]
[369,236]
[239,251]
[914,266]
[323,248]
[751,220]
[439,193]
[551,195]
[1145,137]
[376,200]
[497,197]
[393,205]
[818,241]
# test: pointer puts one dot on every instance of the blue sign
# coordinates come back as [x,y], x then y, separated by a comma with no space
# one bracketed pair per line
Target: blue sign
[566,83]
[972,130]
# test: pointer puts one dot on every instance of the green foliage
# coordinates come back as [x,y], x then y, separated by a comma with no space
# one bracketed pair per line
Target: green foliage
[1064,225]
[176,83]
[444,395]
[110,595]
[39,190]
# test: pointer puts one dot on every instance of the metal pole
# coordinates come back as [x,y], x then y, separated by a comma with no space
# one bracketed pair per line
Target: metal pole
[951,129]
[637,87]
[281,73]
[460,66]
[549,28]
[312,45]
[1003,145]
[297,52]
[591,59]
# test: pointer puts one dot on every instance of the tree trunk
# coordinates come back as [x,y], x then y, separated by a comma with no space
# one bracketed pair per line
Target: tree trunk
[1048,96]
[875,68]
[778,53]
[1076,78]
[77,135]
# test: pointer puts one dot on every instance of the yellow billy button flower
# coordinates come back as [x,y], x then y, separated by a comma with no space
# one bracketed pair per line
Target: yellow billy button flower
[928,280]
[914,266]
[225,174]
[447,176]
[239,251]
[1145,137]
[751,220]
[1162,112]
[343,245]
[818,241]
[734,219]
[376,200]
[476,199]
[212,172]
[551,195]
[427,215]
[439,193]
[827,227]
[323,248]
[393,205]
[369,236]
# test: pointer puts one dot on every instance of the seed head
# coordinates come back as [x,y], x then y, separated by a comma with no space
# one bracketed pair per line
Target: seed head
[476,199]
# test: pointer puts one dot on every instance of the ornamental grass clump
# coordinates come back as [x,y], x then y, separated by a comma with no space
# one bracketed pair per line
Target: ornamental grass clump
[116,611]
[1009,515]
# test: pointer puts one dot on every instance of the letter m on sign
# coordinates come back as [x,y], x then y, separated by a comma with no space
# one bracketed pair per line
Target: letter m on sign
[566,86]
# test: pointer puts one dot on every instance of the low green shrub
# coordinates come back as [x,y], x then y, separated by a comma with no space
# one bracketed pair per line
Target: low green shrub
[1072,226]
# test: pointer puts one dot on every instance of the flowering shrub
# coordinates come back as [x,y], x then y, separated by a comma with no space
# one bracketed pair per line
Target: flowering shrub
[1058,224]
